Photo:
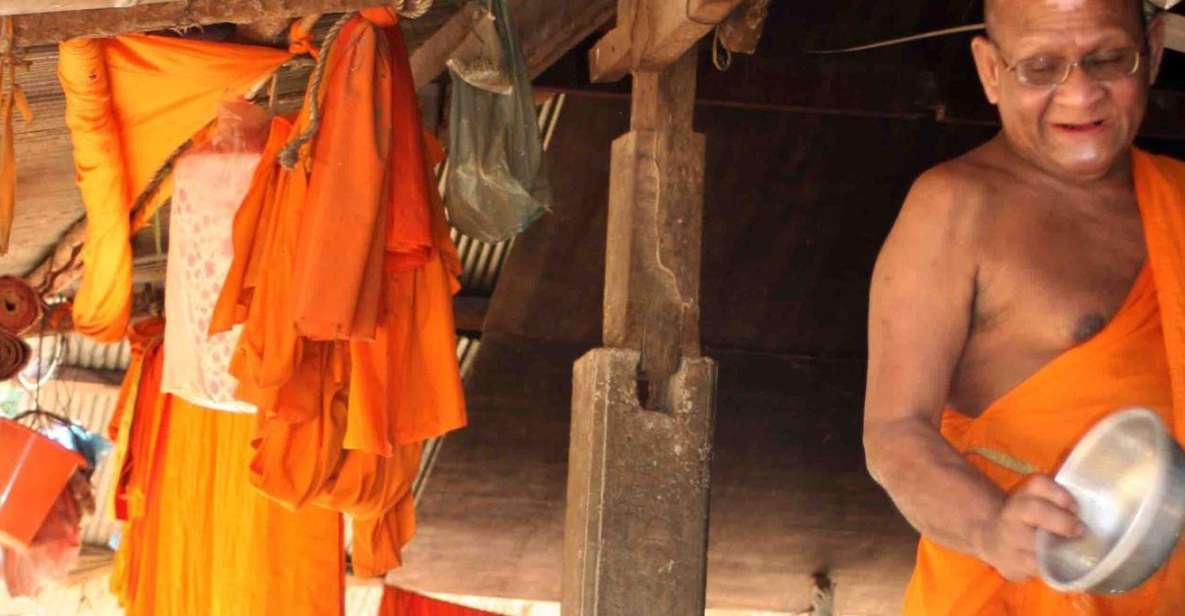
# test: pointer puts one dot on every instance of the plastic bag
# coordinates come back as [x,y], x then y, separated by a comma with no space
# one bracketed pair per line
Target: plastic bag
[480,59]
[497,184]
[240,126]
[56,546]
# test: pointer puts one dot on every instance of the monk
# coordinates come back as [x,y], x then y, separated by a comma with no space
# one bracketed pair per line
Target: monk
[1029,288]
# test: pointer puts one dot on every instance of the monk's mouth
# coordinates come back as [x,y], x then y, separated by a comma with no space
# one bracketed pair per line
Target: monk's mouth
[1085,127]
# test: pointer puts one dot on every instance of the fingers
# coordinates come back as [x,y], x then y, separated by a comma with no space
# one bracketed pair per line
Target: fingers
[1040,513]
[1046,488]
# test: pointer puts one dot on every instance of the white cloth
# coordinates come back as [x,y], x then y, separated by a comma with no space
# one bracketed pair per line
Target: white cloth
[208,189]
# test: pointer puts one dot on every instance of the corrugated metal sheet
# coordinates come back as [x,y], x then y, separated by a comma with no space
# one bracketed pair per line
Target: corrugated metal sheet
[82,352]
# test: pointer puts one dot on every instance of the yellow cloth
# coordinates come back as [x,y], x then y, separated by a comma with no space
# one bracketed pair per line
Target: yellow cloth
[201,539]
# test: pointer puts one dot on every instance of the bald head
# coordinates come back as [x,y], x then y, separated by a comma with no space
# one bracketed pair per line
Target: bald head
[995,12]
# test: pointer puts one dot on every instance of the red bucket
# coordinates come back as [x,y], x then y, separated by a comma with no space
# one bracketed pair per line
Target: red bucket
[33,472]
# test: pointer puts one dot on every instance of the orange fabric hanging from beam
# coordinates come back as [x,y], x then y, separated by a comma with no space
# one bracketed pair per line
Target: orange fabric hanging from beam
[131,101]
[344,283]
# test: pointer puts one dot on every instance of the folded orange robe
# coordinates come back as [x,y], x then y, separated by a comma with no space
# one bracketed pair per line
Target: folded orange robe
[343,277]
[1041,419]
[130,102]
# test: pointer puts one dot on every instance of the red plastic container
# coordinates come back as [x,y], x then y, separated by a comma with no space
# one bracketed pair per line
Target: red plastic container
[33,472]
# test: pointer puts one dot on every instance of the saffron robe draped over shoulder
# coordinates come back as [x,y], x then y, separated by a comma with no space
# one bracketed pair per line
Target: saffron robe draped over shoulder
[1138,359]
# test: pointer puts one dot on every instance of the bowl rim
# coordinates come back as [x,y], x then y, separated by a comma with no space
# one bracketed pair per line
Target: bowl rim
[1131,538]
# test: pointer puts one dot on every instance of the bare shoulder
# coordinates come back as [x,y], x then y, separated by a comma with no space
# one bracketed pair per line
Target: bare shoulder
[947,210]
[954,193]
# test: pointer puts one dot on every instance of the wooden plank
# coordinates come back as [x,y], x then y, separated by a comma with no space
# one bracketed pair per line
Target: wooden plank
[26,7]
[1174,31]
[652,34]
[53,27]
[547,30]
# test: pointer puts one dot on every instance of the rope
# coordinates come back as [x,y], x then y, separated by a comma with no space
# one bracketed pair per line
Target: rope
[162,174]
[291,152]
[412,9]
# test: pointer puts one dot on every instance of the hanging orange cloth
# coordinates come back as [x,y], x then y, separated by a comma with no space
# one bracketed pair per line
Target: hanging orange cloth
[399,602]
[1042,418]
[198,537]
[138,424]
[209,543]
[131,101]
[343,276]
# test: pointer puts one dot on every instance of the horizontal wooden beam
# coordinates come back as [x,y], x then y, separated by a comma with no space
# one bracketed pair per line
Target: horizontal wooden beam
[547,28]
[1174,31]
[840,87]
[49,28]
[25,7]
[651,34]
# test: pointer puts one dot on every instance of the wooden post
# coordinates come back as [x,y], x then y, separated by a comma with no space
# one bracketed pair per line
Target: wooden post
[643,408]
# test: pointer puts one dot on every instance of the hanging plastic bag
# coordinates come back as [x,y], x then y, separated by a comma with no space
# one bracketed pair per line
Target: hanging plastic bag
[480,59]
[497,184]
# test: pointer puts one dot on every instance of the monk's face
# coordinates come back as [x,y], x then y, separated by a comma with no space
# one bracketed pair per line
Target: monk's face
[1083,127]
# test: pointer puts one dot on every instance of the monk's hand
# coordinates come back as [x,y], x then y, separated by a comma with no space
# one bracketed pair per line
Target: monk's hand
[1008,541]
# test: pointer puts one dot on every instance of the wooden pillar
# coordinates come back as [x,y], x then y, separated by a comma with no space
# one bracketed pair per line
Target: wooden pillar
[643,406]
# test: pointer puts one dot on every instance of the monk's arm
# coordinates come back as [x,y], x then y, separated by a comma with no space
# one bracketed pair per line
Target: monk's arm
[920,312]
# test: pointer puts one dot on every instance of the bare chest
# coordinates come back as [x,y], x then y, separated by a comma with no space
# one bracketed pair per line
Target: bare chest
[1047,282]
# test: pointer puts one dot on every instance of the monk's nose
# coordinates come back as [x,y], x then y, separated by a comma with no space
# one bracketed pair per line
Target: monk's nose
[1079,89]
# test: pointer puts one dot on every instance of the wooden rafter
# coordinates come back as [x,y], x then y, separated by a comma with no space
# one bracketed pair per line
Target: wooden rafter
[549,28]
[46,28]
[26,7]
[652,34]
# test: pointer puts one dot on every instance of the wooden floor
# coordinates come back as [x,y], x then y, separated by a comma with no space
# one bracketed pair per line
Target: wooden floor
[790,496]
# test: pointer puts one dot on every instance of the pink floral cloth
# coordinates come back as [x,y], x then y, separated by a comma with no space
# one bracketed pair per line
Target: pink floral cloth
[208,189]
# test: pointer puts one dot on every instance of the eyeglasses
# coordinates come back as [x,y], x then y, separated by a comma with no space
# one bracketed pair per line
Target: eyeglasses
[1048,71]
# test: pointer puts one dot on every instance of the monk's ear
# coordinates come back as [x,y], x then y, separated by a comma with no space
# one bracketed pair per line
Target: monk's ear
[1155,46]
[989,67]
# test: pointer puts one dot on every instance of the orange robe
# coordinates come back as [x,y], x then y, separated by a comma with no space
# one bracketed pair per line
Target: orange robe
[122,136]
[198,537]
[343,276]
[1041,419]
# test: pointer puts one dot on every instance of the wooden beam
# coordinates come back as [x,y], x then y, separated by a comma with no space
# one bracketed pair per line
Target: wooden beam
[1174,31]
[636,528]
[548,29]
[266,31]
[469,312]
[49,28]
[651,34]
[26,7]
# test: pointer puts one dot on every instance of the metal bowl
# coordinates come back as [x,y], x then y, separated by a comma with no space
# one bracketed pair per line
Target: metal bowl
[1128,476]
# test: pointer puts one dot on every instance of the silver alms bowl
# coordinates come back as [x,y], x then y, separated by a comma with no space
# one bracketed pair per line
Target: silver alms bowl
[1128,476]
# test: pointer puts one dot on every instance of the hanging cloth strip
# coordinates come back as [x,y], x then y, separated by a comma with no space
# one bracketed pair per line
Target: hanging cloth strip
[123,137]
